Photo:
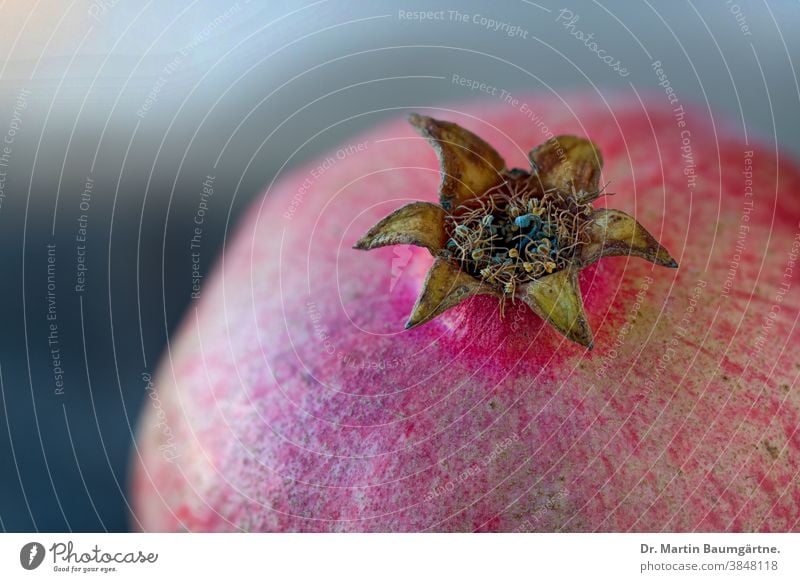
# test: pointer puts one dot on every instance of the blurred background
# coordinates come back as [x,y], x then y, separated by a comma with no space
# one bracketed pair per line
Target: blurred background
[116,114]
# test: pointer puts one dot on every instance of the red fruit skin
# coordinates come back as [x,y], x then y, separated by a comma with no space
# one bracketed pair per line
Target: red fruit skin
[292,398]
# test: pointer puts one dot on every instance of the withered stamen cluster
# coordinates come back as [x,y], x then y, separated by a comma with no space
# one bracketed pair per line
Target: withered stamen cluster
[518,232]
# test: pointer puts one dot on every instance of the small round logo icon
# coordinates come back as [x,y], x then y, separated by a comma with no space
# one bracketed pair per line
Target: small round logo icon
[31,555]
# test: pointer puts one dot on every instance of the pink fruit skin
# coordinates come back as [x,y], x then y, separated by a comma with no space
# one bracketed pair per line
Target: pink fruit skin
[293,399]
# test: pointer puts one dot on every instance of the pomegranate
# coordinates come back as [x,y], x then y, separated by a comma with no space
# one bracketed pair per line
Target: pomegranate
[293,398]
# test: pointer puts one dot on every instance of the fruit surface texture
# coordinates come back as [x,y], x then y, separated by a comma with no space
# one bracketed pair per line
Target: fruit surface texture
[293,399]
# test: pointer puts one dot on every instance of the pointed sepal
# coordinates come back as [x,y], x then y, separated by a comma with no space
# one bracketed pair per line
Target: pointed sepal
[420,224]
[557,299]
[445,286]
[566,162]
[615,233]
[469,165]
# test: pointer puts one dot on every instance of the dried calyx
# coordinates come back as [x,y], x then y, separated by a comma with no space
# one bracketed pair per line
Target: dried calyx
[513,233]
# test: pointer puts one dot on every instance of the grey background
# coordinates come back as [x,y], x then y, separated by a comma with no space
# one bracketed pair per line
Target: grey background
[238,91]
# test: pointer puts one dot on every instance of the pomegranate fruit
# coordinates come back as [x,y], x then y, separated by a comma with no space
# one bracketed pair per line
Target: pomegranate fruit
[292,398]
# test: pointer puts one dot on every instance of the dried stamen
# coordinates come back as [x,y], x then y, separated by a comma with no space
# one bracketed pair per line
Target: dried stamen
[517,232]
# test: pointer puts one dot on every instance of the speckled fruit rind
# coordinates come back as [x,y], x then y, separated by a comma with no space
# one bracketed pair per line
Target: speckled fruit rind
[293,399]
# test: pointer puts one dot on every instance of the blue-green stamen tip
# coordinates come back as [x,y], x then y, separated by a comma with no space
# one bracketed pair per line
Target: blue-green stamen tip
[451,244]
[523,221]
